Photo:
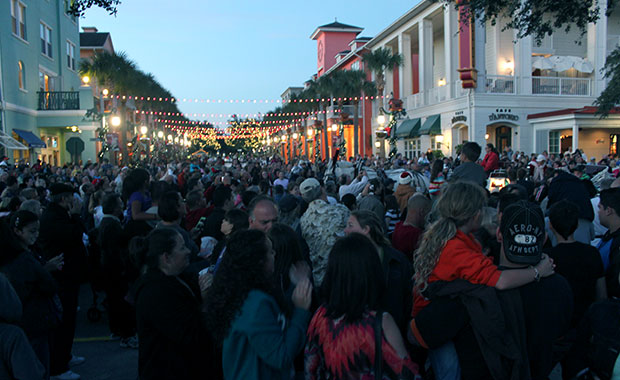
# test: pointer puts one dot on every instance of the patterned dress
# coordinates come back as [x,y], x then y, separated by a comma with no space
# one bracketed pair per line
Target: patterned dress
[337,349]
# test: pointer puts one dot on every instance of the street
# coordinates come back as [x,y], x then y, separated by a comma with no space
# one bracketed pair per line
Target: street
[105,359]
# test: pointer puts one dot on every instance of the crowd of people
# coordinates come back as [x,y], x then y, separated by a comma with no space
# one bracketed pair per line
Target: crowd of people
[249,267]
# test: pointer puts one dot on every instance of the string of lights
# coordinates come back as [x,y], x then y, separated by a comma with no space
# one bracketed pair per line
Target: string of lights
[240,101]
[215,115]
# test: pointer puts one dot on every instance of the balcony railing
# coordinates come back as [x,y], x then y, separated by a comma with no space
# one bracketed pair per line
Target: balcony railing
[500,84]
[561,86]
[59,100]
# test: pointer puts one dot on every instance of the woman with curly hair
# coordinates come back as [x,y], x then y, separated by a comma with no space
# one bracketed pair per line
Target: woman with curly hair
[341,336]
[258,341]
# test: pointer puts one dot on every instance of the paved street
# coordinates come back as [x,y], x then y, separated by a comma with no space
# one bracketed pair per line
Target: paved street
[104,358]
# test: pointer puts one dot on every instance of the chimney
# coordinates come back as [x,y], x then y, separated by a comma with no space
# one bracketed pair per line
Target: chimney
[89,29]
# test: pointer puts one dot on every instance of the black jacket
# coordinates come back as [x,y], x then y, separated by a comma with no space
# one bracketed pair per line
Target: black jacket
[112,242]
[398,298]
[174,342]
[566,186]
[62,233]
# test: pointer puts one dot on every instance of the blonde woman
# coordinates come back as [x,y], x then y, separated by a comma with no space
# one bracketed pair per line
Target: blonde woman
[449,251]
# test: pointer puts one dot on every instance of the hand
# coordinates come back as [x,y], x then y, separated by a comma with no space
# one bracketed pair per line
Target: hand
[302,295]
[299,271]
[546,267]
[55,263]
[195,232]
[205,281]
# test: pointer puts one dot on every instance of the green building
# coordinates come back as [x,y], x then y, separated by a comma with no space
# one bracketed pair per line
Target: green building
[42,100]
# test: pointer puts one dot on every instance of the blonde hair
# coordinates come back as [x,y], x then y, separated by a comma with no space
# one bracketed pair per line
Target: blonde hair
[458,204]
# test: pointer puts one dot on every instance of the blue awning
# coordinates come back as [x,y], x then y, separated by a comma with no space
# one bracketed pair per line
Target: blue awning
[30,138]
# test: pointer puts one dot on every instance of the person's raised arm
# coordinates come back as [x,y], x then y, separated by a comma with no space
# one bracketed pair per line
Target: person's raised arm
[514,278]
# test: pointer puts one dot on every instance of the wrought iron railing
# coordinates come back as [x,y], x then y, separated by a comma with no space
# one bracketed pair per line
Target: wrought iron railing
[59,100]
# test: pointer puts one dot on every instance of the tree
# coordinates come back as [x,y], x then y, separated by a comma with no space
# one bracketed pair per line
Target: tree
[380,60]
[352,84]
[539,18]
[79,7]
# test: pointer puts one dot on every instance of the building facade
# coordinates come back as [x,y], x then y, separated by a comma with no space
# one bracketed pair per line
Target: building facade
[464,81]
[43,100]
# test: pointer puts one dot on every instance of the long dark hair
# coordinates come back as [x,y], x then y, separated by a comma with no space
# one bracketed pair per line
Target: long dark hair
[436,168]
[288,252]
[12,247]
[354,278]
[135,181]
[241,270]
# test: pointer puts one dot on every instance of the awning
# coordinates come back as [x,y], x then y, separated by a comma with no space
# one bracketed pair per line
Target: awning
[408,128]
[32,140]
[431,126]
[559,63]
[10,143]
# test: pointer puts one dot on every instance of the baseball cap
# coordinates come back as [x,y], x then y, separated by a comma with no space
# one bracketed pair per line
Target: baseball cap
[541,158]
[308,185]
[288,203]
[523,232]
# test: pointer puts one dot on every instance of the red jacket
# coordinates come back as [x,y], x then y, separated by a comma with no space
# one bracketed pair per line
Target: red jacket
[461,258]
[490,162]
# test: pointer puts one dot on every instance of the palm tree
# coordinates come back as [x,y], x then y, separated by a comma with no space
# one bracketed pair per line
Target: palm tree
[380,60]
[353,84]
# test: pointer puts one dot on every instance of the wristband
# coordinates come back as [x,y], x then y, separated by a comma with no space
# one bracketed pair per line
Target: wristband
[536,274]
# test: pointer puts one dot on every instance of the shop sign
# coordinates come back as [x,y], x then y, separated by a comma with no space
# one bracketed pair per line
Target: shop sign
[503,116]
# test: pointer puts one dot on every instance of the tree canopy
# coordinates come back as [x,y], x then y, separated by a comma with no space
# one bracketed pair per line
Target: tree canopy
[79,7]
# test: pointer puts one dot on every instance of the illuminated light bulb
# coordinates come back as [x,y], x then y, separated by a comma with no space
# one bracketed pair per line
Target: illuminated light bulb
[381,119]
[116,121]
[160,134]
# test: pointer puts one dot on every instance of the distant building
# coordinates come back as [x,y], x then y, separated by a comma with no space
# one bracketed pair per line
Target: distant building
[289,93]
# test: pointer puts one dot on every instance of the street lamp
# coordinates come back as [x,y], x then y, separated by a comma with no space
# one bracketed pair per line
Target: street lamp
[309,132]
[396,111]
[160,134]
[105,92]
[144,130]
[115,121]
[334,127]
[85,79]
[295,136]
[170,138]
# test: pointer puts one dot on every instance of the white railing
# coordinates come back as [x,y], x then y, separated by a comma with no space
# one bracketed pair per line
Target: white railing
[500,84]
[460,91]
[437,94]
[414,101]
[561,86]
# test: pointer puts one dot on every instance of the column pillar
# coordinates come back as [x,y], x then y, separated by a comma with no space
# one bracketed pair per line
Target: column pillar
[597,49]
[425,30]
[575,137]
[404,48]
[450,43]
[523,65]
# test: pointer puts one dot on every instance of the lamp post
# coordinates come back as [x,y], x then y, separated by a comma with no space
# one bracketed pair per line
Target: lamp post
[395,112]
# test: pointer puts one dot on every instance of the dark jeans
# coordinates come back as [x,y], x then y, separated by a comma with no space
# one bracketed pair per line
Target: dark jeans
[41,347]
[62,338]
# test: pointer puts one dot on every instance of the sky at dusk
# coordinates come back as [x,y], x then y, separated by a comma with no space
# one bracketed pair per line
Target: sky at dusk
[232,49]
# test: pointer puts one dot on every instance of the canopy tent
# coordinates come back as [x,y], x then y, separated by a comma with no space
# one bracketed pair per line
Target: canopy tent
[10,143]
[559,63]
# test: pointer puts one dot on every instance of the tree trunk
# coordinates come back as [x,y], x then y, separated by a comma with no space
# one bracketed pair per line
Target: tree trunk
[325,137]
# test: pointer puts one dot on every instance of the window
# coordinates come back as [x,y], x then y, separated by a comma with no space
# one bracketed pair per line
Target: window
[554,142]
[21,78]
[434,143]
[70,56]
[18,19]
[46,40]
[355,65]
[412,148]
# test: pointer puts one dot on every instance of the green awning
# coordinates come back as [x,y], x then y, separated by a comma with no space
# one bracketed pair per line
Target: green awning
[431,126]
[408,128]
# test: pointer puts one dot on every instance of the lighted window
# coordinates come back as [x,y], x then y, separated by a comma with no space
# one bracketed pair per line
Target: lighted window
[21,78]
[412,148]
[46,40]
[70,56]
[18,19]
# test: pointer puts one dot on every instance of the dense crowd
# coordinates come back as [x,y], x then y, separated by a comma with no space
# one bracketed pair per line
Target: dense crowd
[500,265]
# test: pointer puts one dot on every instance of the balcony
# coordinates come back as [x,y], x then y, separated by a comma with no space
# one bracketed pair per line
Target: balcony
[561,86]
[59,100]
[500,84]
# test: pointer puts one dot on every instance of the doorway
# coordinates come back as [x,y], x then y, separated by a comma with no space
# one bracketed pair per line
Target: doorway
[503,138]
